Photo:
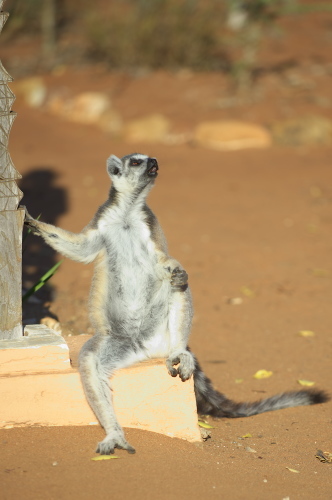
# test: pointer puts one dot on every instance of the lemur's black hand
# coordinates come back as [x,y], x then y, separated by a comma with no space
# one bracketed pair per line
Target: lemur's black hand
[30,221]
[179,279]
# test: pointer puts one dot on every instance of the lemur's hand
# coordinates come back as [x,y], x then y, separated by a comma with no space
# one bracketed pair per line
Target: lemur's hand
[179,279]
[30,221]
[169,269]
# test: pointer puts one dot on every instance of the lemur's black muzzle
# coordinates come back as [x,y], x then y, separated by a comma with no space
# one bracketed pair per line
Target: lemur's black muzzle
[152,167]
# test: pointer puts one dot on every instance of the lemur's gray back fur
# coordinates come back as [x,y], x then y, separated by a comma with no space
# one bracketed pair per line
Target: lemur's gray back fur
[140,302]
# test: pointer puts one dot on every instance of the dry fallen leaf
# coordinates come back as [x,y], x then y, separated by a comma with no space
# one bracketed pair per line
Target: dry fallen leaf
[306,383]
[306,333]
[104,457]
[293,470]
[262,374]
[325,457]
[248,435]
[247,292]
[322,273]
[205,425]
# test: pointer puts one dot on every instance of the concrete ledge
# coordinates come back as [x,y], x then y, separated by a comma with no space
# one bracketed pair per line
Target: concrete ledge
[39,387]
[41,350]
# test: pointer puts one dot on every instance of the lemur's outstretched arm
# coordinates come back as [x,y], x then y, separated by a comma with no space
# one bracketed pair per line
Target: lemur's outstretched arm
[82,247]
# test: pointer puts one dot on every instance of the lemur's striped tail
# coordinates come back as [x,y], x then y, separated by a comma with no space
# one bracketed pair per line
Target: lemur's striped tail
[211,402]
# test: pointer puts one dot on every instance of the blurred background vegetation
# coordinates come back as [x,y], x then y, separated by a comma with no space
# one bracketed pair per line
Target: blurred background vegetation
[213,35]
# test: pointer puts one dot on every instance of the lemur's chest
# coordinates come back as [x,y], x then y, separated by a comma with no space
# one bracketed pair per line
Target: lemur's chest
[128,239]
[131,265]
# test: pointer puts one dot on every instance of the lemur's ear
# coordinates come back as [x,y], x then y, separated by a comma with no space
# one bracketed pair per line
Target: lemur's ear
[114,165]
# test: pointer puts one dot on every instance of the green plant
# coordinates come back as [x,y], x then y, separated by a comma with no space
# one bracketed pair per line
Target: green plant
[24,16]
[157,34]
[41,282]
[250,20]
[211,35]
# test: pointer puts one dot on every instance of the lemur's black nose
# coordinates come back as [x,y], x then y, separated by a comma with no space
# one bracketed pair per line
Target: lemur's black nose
[152,162]
[152,166]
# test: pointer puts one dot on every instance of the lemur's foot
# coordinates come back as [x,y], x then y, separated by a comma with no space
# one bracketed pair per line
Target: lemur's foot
[185,365]
[179,279]
[112,441]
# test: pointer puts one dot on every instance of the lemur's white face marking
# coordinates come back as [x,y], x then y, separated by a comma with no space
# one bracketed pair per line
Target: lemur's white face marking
[132,171]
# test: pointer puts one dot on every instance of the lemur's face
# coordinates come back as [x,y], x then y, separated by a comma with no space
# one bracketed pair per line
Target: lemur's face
[132,171]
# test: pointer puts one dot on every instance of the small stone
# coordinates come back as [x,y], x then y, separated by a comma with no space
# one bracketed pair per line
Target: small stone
[250,450]
[205,433]
[52,323]
[235,301]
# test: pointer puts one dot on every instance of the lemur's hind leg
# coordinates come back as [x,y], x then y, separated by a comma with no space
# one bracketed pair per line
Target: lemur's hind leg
[179,317]
[98,359]
[180,361]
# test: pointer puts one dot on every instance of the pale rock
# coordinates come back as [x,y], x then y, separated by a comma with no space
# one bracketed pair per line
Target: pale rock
[303,131]
[33,90]
[237,18]
[52,323]
[87,107]
[151,129]
[228,135]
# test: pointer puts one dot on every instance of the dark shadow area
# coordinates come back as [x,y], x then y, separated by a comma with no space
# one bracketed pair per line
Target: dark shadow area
[42,196]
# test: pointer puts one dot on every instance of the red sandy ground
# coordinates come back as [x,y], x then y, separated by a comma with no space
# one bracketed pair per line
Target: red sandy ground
[255,219]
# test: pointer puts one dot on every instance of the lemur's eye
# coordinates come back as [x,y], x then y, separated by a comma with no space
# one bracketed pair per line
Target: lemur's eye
[134,162]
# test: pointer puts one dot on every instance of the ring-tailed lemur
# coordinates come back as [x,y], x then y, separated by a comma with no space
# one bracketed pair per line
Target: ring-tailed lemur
[140,303]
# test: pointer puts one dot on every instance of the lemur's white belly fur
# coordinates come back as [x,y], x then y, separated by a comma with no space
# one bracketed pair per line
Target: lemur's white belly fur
[137,300]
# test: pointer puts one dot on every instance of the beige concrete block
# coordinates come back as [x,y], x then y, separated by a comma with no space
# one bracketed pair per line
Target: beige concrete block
[147,397]
[41,350]
[144,395]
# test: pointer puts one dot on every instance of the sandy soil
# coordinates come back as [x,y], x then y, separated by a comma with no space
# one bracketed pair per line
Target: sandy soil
[254,225]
